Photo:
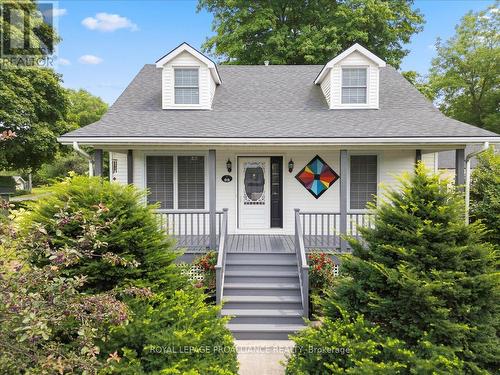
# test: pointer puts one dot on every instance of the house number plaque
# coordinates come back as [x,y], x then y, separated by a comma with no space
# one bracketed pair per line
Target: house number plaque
[226,178]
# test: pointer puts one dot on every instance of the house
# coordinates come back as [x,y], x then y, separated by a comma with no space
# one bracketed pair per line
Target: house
[446,160]
[265,163]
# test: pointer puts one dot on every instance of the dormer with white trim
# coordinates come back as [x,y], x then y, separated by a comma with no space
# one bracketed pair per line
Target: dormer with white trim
[189,79]
[351,79]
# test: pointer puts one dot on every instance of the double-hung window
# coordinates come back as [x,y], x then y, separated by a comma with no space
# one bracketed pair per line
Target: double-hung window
[186,86]
[363,180]
[354,88]
[176,182]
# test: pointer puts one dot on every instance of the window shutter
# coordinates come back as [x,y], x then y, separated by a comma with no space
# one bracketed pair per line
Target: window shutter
[191,182]
[363,184]
[160,180]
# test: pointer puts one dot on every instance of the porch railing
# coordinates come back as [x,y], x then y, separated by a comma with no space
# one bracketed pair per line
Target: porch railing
[191,228]
[321,230]
[220,267]
[302,265]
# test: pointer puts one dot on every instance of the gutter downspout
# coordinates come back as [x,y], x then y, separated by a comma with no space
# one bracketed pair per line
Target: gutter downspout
[77,148]
[468,159]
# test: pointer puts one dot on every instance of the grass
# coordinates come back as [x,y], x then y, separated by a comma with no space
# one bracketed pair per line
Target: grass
[36,193]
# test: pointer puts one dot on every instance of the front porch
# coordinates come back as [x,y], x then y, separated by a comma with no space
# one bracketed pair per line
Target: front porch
[321,231]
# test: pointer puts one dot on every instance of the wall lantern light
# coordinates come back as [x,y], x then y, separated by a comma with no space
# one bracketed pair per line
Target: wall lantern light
[290,166]
[229,166]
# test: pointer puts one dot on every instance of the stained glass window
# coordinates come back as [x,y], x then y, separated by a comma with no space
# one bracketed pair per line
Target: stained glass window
[317,176]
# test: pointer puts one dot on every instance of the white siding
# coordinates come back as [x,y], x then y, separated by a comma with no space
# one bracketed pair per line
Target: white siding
[354,59]
[430,161]
[391,164]
[325,87]
[121,174]
[206,82]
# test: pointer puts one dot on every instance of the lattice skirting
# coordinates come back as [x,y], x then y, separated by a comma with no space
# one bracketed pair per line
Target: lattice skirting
[194,273]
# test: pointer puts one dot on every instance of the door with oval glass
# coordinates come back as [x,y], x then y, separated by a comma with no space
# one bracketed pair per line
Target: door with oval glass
[254,192]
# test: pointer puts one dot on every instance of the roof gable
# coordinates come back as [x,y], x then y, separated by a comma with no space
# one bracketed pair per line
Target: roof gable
[185,47]
[337,59]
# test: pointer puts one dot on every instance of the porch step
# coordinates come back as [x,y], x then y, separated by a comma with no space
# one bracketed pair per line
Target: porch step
[254,316]
[262,295]
[262,286]
[263,331]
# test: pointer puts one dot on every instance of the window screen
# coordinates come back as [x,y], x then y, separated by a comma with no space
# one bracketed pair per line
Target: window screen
[186,86]
[363,180]
[160,180]
[354,86]
[191,182]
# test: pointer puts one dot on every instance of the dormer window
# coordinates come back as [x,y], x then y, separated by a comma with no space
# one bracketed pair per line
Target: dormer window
[354,85]
[187,90]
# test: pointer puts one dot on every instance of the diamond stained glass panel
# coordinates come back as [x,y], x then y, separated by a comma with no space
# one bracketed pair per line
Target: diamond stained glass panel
[317,176]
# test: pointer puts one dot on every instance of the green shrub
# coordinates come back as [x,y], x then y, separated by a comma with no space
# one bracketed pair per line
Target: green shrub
[485,194]
[321,270]
[60,167]
[351,345]
[207,263]
[105,232]
[124,241]
[421,273]
[47,324]
[173,333]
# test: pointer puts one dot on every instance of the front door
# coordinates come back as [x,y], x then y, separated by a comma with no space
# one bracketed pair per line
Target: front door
[254,192]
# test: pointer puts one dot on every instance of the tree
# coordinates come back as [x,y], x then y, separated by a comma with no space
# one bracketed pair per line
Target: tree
[298,32]
[84,108]
[466,71]
[485,194]
[32,101]
[422,274]
[420,83]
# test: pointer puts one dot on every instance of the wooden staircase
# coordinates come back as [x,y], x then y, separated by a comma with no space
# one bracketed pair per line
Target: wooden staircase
[262,295]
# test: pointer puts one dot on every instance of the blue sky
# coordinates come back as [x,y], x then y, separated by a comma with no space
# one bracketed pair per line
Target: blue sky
[105,43]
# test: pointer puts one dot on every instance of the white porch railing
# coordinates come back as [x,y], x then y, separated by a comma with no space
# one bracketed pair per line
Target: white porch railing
[191,228]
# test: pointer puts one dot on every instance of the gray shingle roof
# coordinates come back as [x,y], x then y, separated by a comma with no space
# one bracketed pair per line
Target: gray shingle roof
[274,101]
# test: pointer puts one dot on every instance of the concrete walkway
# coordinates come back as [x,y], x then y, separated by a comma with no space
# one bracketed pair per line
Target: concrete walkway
[263,357]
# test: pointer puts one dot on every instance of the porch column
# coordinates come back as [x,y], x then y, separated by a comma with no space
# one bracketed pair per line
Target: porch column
[344,170]
[98,159]
[418,156]
[460,167]
[212,199]
[130,167]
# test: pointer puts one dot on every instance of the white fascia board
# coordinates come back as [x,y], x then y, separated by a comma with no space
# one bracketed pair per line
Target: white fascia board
[355,47]
[184,47]
[277,141]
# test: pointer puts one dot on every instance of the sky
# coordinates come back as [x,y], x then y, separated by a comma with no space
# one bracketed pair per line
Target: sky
[105,43]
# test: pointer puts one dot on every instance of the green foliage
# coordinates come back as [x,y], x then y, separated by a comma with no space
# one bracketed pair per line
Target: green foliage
[321,270]
[48,325]
[207,263]
[466,72]
[32,106]
[294,32]
[84,108]
[104,230]
[173,332]
[60,167]
[485,194]
[125,242]
[352,345]
[421,273]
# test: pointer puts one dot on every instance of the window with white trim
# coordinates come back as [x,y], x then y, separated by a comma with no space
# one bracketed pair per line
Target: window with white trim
[363,181]
[176,182]
[186,86]
[354,87]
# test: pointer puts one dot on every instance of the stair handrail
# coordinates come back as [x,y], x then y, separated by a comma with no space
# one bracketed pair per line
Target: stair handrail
[302,265]
[220,267]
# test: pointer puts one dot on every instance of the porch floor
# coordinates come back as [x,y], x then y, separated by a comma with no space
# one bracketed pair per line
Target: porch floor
[259,243]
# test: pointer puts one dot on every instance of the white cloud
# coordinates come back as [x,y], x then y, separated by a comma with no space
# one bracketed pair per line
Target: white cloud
[494,10]
[58,12]
[62,61]
[108,23]
[90,60]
